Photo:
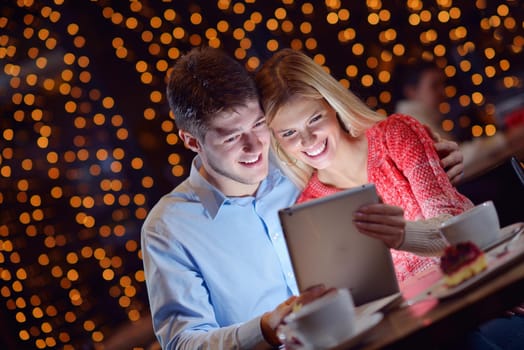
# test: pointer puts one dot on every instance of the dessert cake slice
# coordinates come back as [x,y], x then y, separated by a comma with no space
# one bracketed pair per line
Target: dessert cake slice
[461,262]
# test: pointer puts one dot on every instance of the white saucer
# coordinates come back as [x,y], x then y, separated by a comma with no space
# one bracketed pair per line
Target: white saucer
[365,323]
[379,305]
[505,233]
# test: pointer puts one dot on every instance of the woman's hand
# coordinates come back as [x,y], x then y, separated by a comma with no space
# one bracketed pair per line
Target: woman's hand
[382,221]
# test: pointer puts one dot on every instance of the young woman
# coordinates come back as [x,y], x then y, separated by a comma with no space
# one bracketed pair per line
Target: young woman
[328,140]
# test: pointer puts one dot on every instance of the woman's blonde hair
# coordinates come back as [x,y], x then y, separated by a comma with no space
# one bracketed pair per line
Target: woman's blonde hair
[290,74]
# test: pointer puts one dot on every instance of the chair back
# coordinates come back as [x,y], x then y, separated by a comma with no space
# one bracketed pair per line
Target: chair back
[518,166]
[504,185]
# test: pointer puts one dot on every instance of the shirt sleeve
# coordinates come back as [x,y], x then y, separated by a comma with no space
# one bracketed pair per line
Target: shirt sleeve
[183,316]
[412,150]
[423,237]
[244,336]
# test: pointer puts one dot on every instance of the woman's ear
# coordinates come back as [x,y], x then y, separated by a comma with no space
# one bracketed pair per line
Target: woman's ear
[190,141]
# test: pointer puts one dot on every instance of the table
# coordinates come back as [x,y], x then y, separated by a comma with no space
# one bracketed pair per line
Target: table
[433,321]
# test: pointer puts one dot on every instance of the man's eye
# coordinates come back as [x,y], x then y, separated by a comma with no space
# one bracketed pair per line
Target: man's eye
[231,139]
[260,123]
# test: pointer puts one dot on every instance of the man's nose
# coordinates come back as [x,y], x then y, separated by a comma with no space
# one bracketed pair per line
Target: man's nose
[252,142]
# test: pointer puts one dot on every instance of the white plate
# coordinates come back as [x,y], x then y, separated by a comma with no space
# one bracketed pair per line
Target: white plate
[497,259]
[496,262]
[505,234]
[365,324]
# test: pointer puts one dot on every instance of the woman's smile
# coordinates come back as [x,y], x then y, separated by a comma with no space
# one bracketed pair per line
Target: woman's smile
[317,149]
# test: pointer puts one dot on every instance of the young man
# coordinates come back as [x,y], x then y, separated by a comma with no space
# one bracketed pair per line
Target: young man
[214,255]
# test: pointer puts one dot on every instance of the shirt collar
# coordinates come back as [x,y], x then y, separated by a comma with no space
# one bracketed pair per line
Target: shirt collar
[213,199]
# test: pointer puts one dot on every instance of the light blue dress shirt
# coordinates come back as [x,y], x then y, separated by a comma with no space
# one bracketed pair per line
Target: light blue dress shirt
[215,264]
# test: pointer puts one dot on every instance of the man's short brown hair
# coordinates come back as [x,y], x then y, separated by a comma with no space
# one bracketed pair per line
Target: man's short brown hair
[204,82]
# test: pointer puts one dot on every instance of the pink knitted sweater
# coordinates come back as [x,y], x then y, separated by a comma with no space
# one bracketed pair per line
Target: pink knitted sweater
[405,168]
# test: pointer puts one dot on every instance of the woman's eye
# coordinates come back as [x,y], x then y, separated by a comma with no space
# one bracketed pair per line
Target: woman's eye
[288,133]
[316,118]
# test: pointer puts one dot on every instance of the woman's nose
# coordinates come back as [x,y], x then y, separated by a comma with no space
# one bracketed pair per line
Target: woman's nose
[307,138]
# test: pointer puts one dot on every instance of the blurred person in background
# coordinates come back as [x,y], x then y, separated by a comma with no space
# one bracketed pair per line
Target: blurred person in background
[419,91]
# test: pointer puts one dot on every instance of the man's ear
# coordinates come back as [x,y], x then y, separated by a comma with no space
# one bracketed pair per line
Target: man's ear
[190,141]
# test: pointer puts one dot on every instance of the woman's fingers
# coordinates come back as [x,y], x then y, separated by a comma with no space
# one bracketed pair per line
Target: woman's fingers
[380,214]
[383,222]
[380,220]
[381,209]
[380,229]
[392,237]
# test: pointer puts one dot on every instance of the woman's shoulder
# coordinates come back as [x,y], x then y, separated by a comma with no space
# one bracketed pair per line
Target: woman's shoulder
[401,122]
[399,118]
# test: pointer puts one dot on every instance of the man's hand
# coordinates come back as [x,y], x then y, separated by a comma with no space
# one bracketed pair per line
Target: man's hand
[382,221]
[271,320]
[451,158]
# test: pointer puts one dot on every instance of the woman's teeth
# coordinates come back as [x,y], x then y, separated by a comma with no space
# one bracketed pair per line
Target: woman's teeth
[317,151]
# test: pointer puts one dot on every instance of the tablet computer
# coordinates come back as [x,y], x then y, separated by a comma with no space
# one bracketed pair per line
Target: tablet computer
[325,246]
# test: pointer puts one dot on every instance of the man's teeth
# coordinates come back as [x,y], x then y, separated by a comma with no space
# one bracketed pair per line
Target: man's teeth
[317,151]
[250,161]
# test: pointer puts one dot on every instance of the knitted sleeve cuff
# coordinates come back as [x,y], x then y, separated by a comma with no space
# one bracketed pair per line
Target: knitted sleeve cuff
[423,237]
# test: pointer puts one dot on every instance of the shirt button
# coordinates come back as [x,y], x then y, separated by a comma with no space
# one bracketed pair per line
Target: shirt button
[275,236]
[290,274]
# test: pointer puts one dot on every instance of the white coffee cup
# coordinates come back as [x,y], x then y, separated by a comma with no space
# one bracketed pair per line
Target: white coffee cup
[479,225]
[323,323]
